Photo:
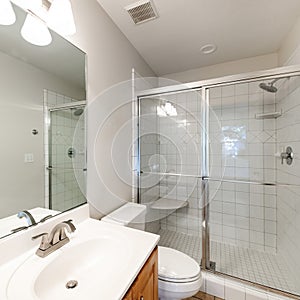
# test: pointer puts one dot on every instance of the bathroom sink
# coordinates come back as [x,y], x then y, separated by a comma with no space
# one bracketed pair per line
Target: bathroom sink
[78,270]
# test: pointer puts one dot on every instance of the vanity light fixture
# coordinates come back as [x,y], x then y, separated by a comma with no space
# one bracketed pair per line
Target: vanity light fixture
[7,14]
[60,17]
[28,4]
[35,31]
[166,110]
[41,14]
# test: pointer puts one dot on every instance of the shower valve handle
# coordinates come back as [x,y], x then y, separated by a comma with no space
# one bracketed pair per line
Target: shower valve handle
[288,155]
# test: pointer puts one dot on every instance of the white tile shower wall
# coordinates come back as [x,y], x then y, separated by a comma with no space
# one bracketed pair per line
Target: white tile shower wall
[288,129]
[149,151]
[180,149]
[149,161]
[139,83]
[66,172]
[242,148]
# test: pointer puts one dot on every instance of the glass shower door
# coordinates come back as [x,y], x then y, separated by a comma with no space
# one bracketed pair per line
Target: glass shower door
[254,191]
[229,154]
[170,131]
[67,157]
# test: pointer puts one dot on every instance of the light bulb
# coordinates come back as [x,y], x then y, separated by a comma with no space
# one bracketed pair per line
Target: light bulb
[60,17]
[35,31]
[161,112]
[168,106]
[32,5]
[7,14]
[173,112]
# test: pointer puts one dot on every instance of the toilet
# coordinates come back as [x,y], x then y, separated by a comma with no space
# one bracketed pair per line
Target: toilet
[179,276]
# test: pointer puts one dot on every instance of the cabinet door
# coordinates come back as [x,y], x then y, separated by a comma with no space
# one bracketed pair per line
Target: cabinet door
[146,284]
[128,296]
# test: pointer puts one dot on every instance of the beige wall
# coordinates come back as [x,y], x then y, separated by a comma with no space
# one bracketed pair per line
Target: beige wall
[110,59]
[21,110]
[256,63]
[289,45]
[110,55]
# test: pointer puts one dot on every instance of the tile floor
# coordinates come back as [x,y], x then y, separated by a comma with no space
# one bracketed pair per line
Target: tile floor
[252,265]
[203,296]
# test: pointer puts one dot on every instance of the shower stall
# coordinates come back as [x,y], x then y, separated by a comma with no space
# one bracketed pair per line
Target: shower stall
[220,174]
[65,152]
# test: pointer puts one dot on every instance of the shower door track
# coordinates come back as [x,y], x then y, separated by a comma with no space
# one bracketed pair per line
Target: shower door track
[68,106]
[281,72]
[203,86]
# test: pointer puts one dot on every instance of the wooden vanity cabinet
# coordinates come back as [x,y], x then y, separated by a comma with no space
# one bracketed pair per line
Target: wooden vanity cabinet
[145,286]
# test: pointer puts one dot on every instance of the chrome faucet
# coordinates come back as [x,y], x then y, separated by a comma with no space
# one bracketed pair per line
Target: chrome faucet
[28,216]
[56,239]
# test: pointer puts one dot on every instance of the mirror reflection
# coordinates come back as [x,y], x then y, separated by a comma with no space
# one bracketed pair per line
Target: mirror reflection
[42,132]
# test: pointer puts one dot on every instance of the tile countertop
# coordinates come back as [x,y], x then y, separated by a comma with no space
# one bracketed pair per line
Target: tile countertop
[116,282]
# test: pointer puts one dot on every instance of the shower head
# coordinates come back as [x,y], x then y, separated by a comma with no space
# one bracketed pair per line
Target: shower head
[269,87]
[78,112]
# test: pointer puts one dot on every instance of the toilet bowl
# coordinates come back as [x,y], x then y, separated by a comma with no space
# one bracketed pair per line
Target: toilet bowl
[179,276]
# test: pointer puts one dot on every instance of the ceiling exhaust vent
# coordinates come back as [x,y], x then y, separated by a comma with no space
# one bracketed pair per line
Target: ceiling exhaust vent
[142,11]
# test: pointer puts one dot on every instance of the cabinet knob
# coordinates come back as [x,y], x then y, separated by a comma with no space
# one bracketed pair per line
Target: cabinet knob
[142,298]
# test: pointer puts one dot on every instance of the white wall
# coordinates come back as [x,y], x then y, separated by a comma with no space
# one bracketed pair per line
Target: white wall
[110,58]
[21,110]
[245,65]
[289,46]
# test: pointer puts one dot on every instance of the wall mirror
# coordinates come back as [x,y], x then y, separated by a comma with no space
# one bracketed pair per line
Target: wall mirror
[43,149]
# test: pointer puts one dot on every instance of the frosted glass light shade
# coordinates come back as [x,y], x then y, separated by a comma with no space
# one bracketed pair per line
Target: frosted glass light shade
[7,14]
[60,17]
[29,4]
[35,31]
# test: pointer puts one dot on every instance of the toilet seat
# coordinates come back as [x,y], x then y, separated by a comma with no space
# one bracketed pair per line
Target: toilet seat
[175,266]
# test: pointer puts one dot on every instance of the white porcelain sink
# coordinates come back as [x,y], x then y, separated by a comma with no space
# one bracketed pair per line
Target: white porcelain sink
[90,258]
[84,263]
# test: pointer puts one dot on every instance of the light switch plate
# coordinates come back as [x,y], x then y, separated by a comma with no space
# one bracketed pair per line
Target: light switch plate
[28,158]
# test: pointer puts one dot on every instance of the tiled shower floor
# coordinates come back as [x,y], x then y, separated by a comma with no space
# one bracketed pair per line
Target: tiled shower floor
[252,265]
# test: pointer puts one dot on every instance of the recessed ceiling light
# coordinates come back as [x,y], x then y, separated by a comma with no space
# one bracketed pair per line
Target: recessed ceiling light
[208,49]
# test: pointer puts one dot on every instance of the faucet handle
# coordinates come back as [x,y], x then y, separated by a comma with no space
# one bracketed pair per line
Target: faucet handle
[45,218]
[70,223]
[18,229]
[72,228]
[44,243]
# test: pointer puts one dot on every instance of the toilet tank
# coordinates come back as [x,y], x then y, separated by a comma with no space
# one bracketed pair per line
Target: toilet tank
[130,215]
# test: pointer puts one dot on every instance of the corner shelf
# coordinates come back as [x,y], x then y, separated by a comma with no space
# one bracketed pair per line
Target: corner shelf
[272,115]
[168,204]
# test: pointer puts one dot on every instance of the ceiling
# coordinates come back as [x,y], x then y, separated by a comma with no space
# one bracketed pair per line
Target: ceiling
[239,28]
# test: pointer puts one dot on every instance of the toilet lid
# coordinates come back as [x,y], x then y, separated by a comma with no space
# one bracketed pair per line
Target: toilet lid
[176,266]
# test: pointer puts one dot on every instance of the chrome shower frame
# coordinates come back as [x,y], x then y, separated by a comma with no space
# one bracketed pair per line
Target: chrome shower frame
[48,135]
[204,86]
